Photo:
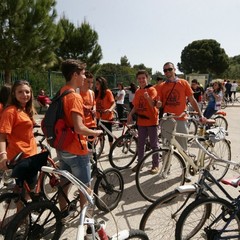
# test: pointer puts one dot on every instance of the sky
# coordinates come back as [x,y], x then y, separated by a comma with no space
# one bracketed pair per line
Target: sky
[153,32]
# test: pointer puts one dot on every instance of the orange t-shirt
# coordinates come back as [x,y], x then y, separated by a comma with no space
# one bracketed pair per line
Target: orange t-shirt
[73,102]
[19,129]
[147,115]
[88,104]
[176,102]
[1,109]
[103,104]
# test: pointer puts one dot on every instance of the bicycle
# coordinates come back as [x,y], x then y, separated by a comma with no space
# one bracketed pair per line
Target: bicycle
[161,217]
[212,217]
[100,143]
[15,199]
[24,225]
[229,102]
[174,161]
[108,186]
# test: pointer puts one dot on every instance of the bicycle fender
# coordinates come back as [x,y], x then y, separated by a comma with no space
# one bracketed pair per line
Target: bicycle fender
[187,188]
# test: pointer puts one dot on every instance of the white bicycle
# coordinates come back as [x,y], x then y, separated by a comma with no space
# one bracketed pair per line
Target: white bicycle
[47,223]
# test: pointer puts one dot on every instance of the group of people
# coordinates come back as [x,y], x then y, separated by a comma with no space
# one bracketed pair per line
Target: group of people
[84,106]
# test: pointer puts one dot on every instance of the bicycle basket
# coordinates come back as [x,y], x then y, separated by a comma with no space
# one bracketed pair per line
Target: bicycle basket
[167,128]
[216,134]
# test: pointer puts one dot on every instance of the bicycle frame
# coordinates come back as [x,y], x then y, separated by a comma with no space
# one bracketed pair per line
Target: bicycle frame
[174,144]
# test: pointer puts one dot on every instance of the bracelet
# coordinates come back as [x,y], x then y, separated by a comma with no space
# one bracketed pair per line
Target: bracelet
[1,153]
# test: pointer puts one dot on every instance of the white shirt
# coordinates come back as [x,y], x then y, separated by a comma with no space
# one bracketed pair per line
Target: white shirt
[121,92]
[234,87]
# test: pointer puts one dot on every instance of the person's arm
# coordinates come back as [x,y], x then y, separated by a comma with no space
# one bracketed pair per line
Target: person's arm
[80,128]
[3,152]
[111,108]
[195,105]
[129,117]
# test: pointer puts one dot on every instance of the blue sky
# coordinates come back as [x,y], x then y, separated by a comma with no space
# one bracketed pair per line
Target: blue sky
[156,31]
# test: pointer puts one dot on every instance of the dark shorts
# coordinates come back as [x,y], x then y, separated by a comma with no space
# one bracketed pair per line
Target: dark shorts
[27,169]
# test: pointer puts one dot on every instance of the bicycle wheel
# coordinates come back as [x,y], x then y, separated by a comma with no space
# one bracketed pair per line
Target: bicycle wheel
[9,205]
[223,103]
[221,122]
[49,185]
[109,189]
[208,219]
[237,99]
[222,150]
[99,145]
[160,218]
[137,234]
[123,151]
[39,220]
[192,127]
[152,186]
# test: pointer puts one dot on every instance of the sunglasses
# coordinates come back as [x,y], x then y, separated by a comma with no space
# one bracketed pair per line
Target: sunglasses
[167,69]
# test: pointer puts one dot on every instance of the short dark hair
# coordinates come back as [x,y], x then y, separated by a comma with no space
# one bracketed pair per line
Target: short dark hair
[142,71]
[195,81]
[71,66]
[88,74]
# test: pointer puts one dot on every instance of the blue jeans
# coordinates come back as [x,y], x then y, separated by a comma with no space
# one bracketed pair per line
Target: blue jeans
[209,111]
[143,133]
[78,165]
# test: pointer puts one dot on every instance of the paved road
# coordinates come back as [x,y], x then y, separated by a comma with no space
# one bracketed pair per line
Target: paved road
[132,206]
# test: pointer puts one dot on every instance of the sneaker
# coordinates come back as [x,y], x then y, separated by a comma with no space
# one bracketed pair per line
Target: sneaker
[155,170]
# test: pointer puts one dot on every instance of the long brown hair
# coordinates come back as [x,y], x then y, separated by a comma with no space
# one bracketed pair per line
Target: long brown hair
[29,108]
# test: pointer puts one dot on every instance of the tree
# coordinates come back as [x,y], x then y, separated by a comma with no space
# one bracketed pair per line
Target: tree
[143,67]
[80,43]
[203,56]
[124,62]
[28,35]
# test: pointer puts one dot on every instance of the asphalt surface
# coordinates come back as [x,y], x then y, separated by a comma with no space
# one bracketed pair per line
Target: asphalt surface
[132,206]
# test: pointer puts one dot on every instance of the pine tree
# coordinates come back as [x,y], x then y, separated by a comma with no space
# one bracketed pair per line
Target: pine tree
[28,34]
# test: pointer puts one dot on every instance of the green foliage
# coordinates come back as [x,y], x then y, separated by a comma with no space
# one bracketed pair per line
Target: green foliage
[115,73]
[203,56]
[80,43]
[124,62]
[142,67]
[28,35]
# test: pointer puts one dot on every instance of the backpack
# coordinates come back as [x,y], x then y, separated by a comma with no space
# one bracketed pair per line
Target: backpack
[57,133]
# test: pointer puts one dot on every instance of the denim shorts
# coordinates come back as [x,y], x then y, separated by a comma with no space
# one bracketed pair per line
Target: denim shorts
[78,165]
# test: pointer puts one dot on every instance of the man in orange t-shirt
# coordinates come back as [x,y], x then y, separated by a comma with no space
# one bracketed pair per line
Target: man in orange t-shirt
[75,158]
[147,118]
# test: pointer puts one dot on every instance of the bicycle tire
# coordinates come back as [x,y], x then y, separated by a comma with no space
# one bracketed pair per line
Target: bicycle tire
[9,203]
[137,234]
[49,185]
[237,99]
[223,104]
[221,121]
[108,189]
[24,225]
[222,150]
[123,151]
[99,145]
[192,128]
[205,218]
[151,186]
[159,220]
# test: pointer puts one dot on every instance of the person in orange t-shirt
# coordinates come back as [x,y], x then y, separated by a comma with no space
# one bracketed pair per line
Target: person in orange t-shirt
[173,95]
[147,118]
[16,128]
[75,157]
[105,104]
